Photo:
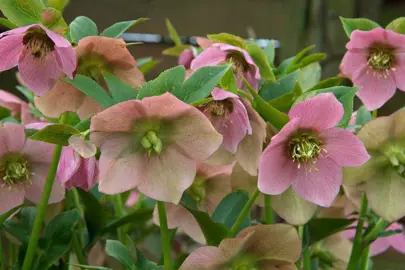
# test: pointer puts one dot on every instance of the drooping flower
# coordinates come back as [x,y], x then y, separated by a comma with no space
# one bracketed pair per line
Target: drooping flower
[42,56]
[274,246]
[185,58]
[242,63]
[211,185]
[382,177]
[375,63]
[19,108]
[76,171]
[157,141]
[24,166]
[309,151]
[95,55]
[132,198]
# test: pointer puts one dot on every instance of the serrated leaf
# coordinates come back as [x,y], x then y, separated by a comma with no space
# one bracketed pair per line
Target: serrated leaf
[228,39]
[259,57]
[173,33]
[320,228]
[55,134]
[349,25]
[82,27]
[272,90]
[168,81]
[92,89]
[119,90]
[120,252]
[397,25]
[117,29]
[229,208]
[201,83]
[22,12]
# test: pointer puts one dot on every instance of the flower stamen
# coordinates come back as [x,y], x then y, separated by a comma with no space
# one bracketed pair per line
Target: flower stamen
[381,61]
[305,149]
[152,142]
[220,108]
[38,43]
[14,169]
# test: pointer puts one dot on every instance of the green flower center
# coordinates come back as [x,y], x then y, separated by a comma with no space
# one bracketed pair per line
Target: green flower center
[381,59]
[151,142]
[397,158]
[38,43]
[197,190]
[238,61]
[92,66]
[243,261]
[305,148]
[219,108]
[14,169]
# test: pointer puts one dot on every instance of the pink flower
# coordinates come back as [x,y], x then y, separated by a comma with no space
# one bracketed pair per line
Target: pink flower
[24,166]
[156,141]
[19,108]
[42,56]
[309,151]
[275,246]
[95,55]
[75,171]
[375,62]
[211,185]
[132,198]
[185,58]
[242,63]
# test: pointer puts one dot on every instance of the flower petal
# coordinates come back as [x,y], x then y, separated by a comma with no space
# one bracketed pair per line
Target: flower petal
[399,70]
[241,180]
[320,186]
[88,108]
[379,246]
[217,186]
[38,152]
[397,241]
[204,43]
[344,147]
[276,170]
[200,259]
[10,198]
[353,62]
[219,94]
[12,137]
[85,177]
[67,60]
[10,50]
[211,56]
[396,40]
[320,112]
[68,165]
[168,175]
[57,39]
[365,39]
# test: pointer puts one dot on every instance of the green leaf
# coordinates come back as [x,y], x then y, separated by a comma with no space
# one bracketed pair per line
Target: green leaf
[168,81]
[282,68]
[173,33]
[57,237]
[85,267]
[270,52]
[213,231]
[397,25]
[228,39]
[345,95]
[389,233]
[201,83]
[4,112]
[302,54]
[228,82]
[330,82]
[21,228]
[259,57]
[82,27]
[349,25]
[146,64]
[307,60]
[55,134]
[26,92]
[9,119]
[120,91]
[284,103]
[52,19]
[120,252]
[144,264]
[363,116]
[320,228]
[22,12]
[176,50]
[138,217]
[229,209]
[92,89]
[83,125]
[309,76]
[7,24]
[117,29]
[7,214]
[286,84]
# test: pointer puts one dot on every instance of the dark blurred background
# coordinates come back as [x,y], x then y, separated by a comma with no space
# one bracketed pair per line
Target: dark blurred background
[295,23]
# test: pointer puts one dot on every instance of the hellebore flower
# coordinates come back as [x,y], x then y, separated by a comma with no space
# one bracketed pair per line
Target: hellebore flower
[211,185]
[185,58]
[19,108]
[375,63]
[95,55]
[42,56]
[156,141]
[24,166]
[382,177]
[309,151]
[264,247]
[242,63]
[76,171]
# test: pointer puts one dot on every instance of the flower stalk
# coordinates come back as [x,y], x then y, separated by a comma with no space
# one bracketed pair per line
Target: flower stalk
[165,239]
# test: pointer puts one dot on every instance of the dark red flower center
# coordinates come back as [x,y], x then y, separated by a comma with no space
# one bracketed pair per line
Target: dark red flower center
[239,63]
[38,43]
[221,108]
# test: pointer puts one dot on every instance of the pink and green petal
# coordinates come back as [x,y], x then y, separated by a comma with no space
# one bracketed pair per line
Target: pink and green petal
[211,56]
[363,40]
[10,198]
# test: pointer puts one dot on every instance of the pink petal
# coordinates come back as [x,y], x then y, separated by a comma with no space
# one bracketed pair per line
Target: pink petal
[67,60]
[320,112]
[168,175]
[320,186]
[57,39]
[379,246]
[10,50]
[365,39]
[88,108]
[185,58]
[68,165]
[18,31]
[344,147]
[201,259]
[397,241]
[40,74]
[396,40]
[209,57]
[7,99]
[399,70]
[10,198]
[204,43]
[38,152]
[132,198]
[85,177]
[288,130]
[353,63]
[83,147]
[276,170]
[12,138]
[219,94]
[39,173]
[374,91]
[251,77]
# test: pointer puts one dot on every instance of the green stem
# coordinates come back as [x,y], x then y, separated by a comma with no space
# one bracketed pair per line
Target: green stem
[268,210]
[374,114]
[245,211]
[358,238]
[2,259]
[247,96]
[378,227]
[41,208]
[307,259]
[121,231]
[78,249]
[76,201]
[13,255]
[365,258]
[165,238]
